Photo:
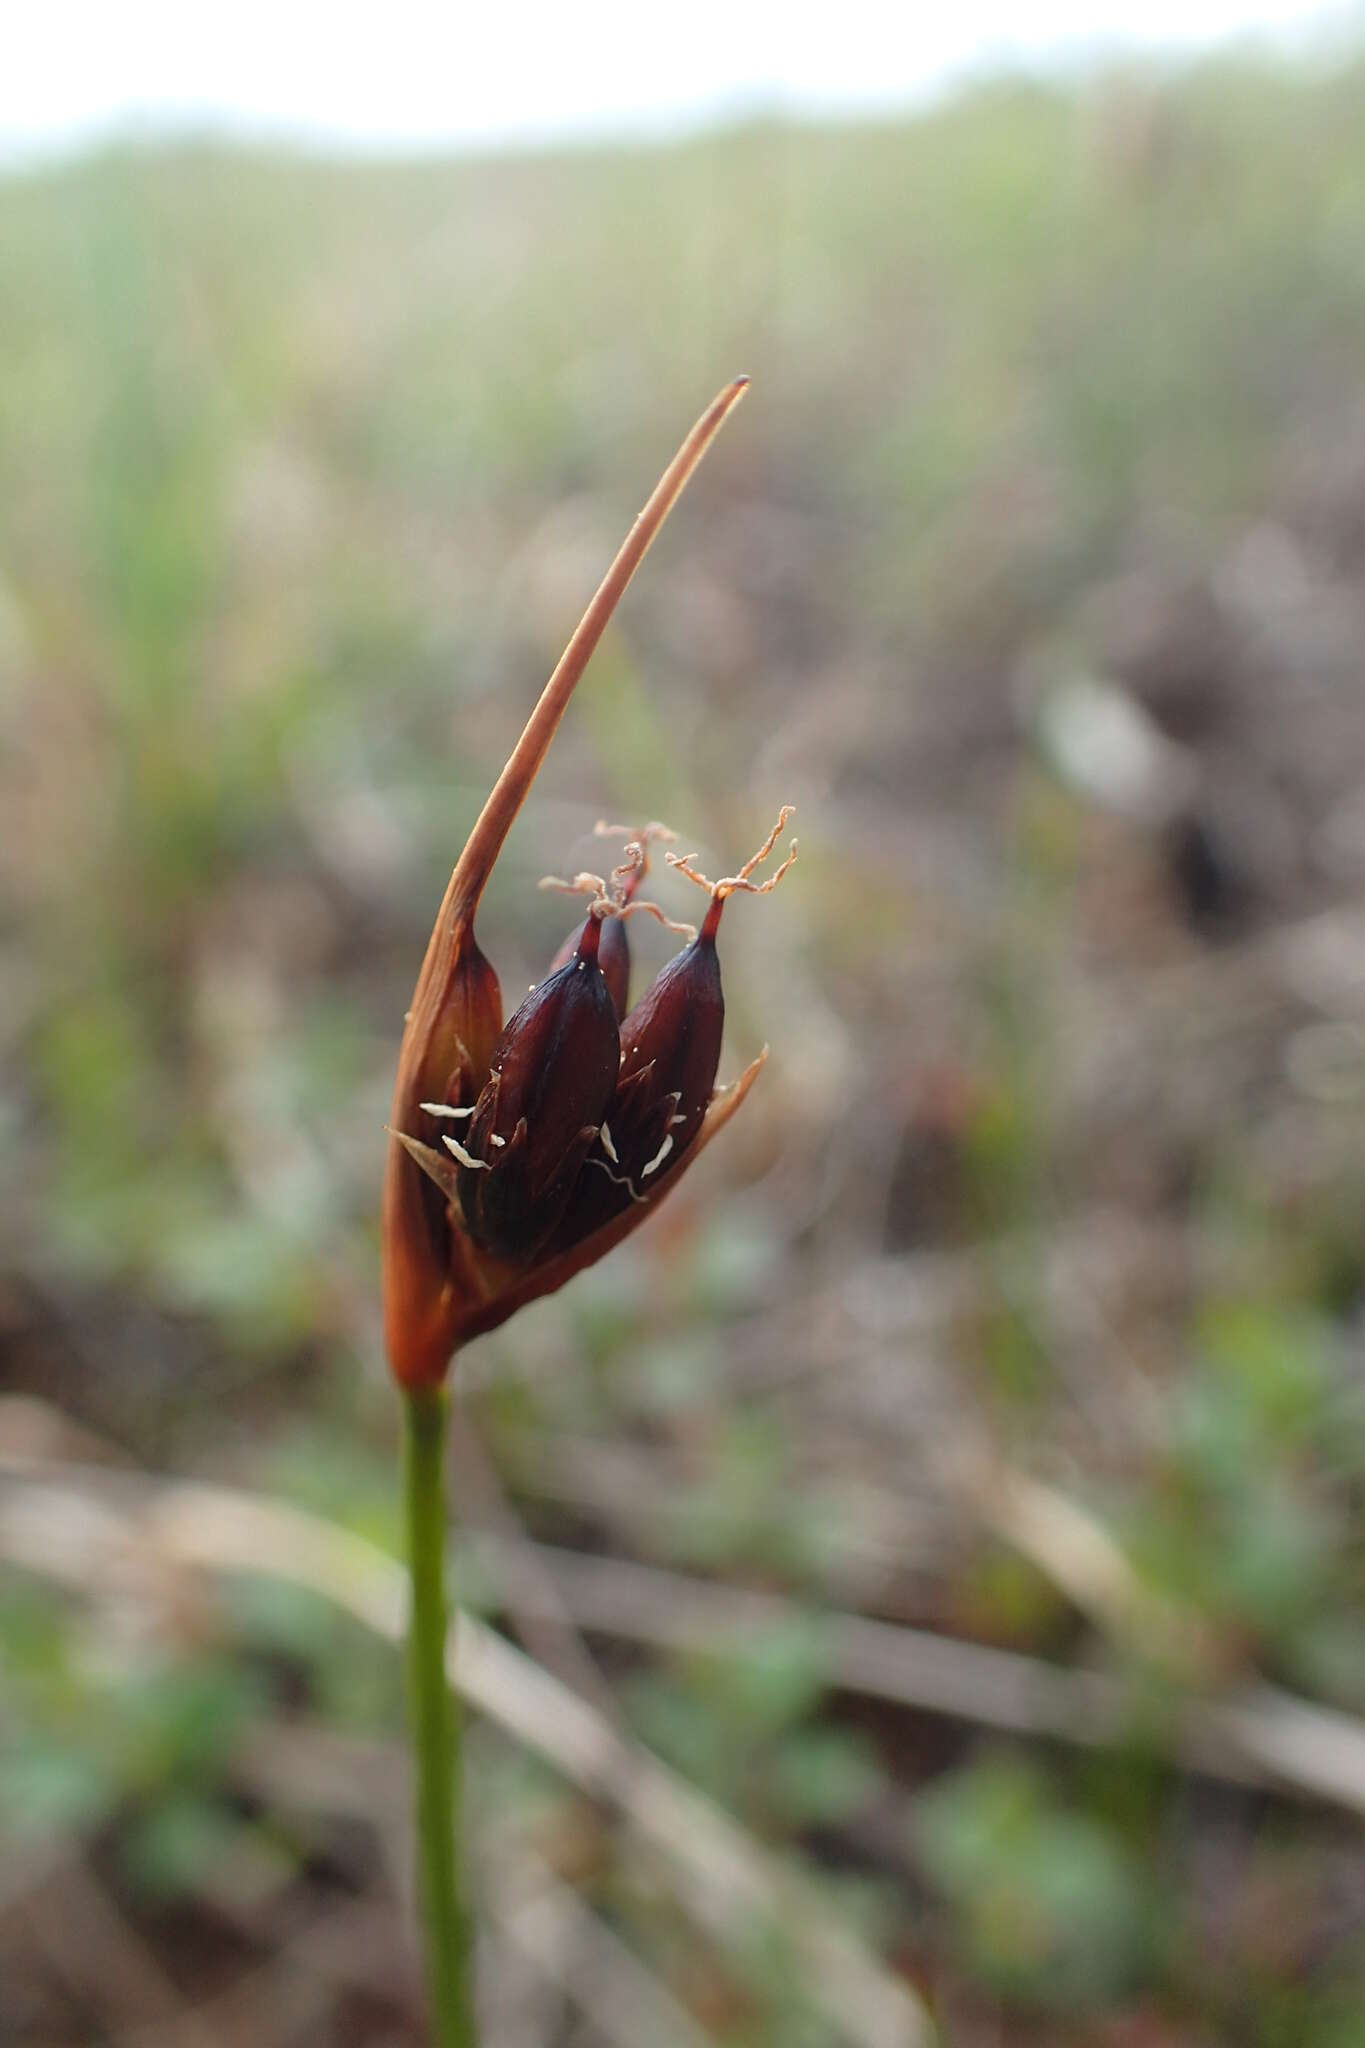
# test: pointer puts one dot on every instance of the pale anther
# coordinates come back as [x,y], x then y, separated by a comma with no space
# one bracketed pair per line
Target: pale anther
[466,1158]
[656,1161]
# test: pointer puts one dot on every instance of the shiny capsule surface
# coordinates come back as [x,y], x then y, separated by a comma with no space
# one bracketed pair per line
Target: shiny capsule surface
[670,1050]
[551,1081]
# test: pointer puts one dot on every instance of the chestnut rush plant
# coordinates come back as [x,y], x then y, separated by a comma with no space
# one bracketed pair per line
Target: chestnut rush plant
[519,1155]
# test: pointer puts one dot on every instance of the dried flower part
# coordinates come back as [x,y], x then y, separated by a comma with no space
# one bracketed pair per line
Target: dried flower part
[727,885]
[539,1111]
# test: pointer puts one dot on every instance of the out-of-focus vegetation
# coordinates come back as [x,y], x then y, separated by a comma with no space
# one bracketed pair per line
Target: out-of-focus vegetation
[1024,1302]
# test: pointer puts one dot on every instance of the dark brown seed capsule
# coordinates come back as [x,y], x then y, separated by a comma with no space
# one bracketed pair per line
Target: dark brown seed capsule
[673,1035]
[551,1080]
[670,1050]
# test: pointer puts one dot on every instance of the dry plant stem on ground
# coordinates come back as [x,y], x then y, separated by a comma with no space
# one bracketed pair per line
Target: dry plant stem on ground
[456,1264]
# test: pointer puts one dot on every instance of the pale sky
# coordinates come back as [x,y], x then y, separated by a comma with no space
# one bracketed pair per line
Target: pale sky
[410,73]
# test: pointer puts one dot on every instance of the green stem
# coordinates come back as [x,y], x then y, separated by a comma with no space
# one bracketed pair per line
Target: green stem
[435,1723]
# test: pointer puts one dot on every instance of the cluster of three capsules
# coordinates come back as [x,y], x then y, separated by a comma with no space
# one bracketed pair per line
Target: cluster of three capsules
[587,1106]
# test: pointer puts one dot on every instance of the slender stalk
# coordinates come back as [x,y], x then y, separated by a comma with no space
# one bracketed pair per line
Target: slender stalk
[435,1723]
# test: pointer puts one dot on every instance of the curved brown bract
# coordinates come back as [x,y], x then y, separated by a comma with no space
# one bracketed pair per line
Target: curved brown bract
[428,1270]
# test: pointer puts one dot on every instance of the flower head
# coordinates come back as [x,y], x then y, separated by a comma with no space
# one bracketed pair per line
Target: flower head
[496,1130]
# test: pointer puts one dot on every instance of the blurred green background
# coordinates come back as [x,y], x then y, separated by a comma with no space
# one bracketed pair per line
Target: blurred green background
[1024,1306]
